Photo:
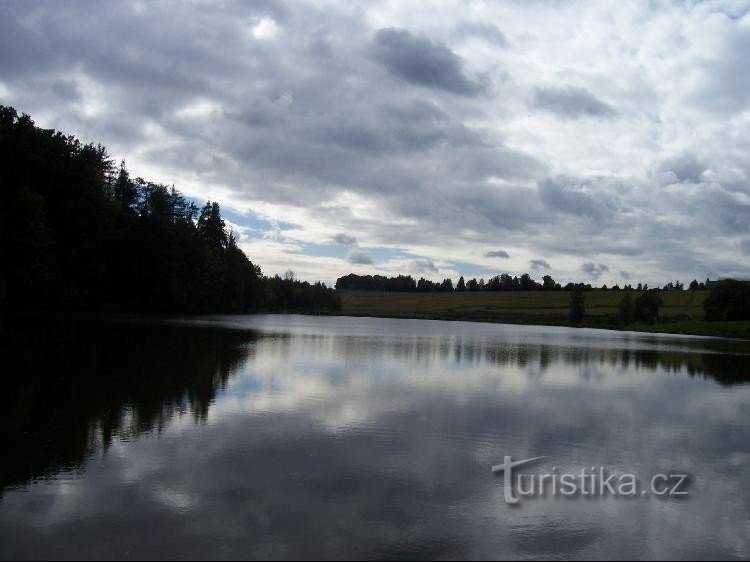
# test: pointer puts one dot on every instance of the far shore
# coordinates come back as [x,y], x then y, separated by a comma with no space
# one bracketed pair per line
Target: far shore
[681,314]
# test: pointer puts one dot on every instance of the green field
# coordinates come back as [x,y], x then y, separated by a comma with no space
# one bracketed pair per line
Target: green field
[682,311]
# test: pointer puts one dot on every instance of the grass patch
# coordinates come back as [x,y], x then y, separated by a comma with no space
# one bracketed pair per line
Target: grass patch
[682,311]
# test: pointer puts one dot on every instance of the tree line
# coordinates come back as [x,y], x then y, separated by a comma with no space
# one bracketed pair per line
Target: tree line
[502,282]
[77,232]
[727,300]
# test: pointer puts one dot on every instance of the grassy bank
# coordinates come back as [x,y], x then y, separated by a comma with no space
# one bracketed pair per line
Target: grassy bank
[682,312]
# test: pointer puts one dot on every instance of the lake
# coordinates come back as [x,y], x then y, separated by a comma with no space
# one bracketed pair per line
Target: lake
[355,438]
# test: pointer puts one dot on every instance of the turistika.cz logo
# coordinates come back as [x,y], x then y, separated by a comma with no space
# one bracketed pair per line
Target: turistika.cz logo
[589,482]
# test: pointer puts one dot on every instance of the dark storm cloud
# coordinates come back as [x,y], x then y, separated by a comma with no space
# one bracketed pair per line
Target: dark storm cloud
[539,264]
[497,254]
[423,62]
[595,270]
[571,102]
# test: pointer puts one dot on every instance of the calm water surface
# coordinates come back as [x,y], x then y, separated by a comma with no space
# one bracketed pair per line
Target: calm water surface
[303,437]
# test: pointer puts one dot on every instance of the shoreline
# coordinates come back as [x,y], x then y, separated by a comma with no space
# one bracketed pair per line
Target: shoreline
[727,330]
[739,330]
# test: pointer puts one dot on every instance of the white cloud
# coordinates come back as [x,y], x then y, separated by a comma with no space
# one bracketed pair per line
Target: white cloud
[265,29]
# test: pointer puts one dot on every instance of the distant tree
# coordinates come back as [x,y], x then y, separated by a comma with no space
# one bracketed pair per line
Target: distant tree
[402,283]
[446,285]
[694,285]
[549,284]
[493,284]
[527,283]
[461,287]
[506,283]
[647,306]
[473,285]
[577,305]
[627,308]
[728,300]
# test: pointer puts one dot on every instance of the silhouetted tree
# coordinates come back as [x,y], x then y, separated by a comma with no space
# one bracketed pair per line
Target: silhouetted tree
[212,227]
[549,284]
[461,286]
[527,283]
[125,191]
[728,300]
[446,285]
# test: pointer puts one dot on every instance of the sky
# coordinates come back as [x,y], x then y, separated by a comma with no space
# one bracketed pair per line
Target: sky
[600,141]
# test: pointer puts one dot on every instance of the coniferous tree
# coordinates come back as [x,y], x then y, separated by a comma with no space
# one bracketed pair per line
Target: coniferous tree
[211,226]
[125,191]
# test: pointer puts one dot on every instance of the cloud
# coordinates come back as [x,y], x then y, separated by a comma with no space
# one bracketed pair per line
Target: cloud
[625,275]
[497,254]
[571,102]
[414,132]
[360,257]
[345,240]
[539,264]
[486,31]
[422,266]
[594,270]
[745,246]
[682,168]
[423,62]
[583,197]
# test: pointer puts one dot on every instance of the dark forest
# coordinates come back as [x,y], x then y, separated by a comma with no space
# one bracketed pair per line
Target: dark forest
[78,233]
